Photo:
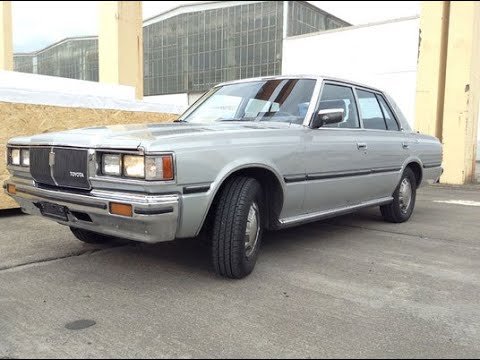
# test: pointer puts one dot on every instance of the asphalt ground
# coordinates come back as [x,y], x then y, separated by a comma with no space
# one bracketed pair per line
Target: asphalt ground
[353,286]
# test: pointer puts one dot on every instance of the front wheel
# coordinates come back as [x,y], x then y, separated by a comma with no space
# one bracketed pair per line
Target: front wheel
[404,198]
[91,237]
[237,228]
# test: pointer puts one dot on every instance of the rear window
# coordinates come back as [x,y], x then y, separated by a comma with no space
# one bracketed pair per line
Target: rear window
[389,117]
[372,114]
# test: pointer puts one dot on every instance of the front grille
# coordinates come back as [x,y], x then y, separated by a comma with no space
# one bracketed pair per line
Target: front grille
[39,166]
[70,167]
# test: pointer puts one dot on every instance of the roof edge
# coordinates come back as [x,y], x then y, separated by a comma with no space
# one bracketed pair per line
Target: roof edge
[353,27]
[59,42]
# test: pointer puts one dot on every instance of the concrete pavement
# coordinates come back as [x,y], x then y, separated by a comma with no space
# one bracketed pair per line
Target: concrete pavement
[347,287]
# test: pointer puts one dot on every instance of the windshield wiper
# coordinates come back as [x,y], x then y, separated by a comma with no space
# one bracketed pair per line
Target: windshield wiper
[180,121]
[236,119]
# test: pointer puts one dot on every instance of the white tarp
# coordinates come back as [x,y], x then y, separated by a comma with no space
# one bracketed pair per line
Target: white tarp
[180,100]
[25,88]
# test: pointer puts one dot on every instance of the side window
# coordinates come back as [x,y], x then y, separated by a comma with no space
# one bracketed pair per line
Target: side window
[389,117]
[340,97]
[372,115]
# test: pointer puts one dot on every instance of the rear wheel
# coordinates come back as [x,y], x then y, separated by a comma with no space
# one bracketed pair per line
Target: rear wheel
[91,237]
[404,198]
[237,228]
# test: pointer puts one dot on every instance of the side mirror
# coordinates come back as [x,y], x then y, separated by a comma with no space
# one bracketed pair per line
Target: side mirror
[327,117]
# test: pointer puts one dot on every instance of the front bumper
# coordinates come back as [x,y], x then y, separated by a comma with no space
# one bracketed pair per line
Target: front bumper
[154,218]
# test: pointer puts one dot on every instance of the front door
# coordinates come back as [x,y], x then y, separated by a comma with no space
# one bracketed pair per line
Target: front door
[334,155]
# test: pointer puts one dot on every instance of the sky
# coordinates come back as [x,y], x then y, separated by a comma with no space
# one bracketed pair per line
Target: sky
[37,24]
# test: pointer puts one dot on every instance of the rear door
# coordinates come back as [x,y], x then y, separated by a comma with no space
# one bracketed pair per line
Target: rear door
[386,145]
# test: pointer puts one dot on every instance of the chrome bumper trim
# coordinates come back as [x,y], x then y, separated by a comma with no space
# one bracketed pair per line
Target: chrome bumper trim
[155,217]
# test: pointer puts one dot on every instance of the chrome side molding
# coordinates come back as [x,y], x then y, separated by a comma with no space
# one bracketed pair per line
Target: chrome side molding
[304,218]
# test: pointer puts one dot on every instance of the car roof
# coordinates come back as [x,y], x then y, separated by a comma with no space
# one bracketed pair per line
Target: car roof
[313,77]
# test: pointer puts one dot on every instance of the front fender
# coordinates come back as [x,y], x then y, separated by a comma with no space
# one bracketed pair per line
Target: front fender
[246,163]
[233,167]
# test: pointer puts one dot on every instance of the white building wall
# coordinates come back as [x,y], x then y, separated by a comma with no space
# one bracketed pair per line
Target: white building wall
[382,55]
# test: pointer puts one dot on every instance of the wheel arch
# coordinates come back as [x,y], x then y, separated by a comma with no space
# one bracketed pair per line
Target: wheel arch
[273,187]
[416,166]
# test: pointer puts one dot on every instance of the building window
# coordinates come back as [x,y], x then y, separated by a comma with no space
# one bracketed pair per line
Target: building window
[201,49]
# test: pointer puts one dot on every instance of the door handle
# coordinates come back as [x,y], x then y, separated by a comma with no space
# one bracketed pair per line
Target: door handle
[406,145]
[362,146]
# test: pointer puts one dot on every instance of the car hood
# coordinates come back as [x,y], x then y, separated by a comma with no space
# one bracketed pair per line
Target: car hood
[134,136]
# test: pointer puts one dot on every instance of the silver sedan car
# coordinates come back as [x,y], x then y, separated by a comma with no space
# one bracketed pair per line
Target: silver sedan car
[250,155]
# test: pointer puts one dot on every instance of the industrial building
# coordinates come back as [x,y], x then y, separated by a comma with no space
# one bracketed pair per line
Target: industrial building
[192,47]
[73,58]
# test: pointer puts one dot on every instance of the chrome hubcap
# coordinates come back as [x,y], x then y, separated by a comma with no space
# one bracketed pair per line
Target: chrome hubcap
[405,195]
[252,232]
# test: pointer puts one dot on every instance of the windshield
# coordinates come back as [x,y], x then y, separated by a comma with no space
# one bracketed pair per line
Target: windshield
[285,100]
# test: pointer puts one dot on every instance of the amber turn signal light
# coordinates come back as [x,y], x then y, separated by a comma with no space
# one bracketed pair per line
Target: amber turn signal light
[167,164]
[121,209]
[11,189]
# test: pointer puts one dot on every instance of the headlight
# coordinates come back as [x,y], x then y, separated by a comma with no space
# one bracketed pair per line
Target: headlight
[19,157]
[138,167]
[25,154]
[15,156]
[112,165]
[134,166]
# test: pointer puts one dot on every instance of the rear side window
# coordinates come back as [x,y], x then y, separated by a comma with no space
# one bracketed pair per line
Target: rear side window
[389,117]
[372,114]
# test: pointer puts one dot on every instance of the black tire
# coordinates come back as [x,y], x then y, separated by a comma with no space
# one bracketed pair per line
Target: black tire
[231,258]
[91,237]
[396,212]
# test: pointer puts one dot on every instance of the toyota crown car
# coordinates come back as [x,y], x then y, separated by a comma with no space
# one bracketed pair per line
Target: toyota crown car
[249,156]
